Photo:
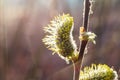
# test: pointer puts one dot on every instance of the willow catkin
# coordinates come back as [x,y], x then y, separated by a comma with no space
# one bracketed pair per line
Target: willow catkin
[60,39]
[98,72]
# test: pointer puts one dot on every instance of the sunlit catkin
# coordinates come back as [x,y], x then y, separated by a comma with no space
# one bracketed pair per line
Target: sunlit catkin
[60,39]
[98,72]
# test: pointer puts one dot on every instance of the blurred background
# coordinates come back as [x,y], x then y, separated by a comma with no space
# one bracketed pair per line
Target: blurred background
[23,56]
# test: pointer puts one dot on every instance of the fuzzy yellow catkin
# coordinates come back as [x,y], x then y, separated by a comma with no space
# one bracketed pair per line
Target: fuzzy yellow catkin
[98,72]
[60,39]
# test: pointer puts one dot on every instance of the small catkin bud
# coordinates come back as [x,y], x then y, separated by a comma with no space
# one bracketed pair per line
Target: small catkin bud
[60,39]
[98,72]
[89,36]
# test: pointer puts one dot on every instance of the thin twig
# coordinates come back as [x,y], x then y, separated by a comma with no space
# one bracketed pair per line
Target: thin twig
[85,25]
[77,65]
[86,13]
[74,71]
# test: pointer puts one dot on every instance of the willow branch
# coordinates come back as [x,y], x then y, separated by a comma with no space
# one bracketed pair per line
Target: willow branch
[85,25]
[83,44]
[78,64]
[86,13]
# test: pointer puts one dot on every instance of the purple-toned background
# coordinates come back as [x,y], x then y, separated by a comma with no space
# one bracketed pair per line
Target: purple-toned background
[23,56]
